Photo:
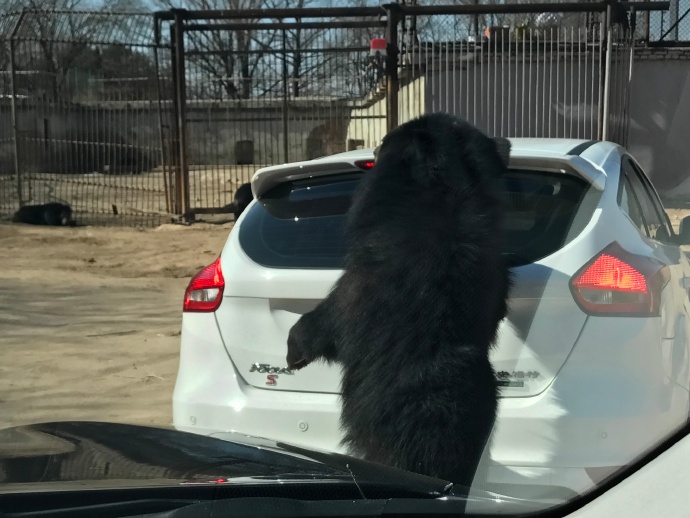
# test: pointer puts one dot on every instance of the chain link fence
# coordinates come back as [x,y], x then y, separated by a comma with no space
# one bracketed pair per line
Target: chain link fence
[671,27]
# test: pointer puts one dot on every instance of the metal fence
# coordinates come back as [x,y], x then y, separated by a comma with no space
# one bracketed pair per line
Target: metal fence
[670,27]
[252,91]
[137,119]
[83,115]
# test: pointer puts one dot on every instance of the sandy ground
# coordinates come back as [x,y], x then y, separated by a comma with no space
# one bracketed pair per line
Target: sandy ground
[90,319]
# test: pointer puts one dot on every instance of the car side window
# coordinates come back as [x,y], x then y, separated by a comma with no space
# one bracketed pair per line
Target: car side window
[655,224]
[628,203]
[655,203]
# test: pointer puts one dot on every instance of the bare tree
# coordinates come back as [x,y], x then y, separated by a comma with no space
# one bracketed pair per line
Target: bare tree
[220,61]
[267,62]
[54,42]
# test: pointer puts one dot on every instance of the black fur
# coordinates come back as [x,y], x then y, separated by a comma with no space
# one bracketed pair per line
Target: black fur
[243,197]
[52,214]
[413,317]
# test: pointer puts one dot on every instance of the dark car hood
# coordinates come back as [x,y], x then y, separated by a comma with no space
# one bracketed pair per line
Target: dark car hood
[65,458]
[73,455]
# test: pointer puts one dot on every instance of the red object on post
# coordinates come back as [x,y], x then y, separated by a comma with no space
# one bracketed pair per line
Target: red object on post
[377,47]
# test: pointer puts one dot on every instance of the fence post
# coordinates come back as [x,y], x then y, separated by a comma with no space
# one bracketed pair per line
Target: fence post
[285,105]
[605,102]
[182,205]
[392,20]
[673,19]
[13,105]
[159,92]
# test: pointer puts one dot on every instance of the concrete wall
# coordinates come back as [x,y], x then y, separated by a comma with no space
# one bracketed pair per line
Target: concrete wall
[368,125]
[547,100]
[561,100]
[544,98]
[659,134]
[125,136]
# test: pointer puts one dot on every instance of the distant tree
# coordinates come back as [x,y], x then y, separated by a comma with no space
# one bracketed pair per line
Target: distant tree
[56,42]
[246,63]
[123,73]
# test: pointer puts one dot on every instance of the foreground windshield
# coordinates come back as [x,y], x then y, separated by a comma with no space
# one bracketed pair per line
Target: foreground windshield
[245,246]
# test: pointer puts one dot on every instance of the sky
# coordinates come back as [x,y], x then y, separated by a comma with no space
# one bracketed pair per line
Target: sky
[656,26]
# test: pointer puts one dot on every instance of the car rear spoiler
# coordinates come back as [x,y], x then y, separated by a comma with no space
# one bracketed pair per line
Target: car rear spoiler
[574,165]
[267,178]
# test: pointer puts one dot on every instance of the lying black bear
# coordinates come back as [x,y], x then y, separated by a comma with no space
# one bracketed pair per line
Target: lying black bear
[413,317]
[53,214]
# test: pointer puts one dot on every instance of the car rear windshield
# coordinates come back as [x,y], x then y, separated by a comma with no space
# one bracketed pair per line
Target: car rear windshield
[300,224]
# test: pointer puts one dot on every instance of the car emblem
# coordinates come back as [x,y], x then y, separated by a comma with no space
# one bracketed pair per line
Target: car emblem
[265,368]
[271,371]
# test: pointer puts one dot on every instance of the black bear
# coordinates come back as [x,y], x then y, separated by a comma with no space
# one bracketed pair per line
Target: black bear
[53,214]
[415,313]
[243,197]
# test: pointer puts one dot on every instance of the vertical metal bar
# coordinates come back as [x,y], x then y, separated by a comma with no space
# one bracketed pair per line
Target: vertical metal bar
[591,82]
[13,106]
[511,106]
[454,90]
[578,98]
[558,79]
[286,93]
[161,139]
[602,75]
[447,81]
[607,76]
[673,19]
[496,132]
[548,134]
[571,79]
[631,43]
[484,85]
[175,145]
[530,34]
[182,172]
[476,25]
[539,94]
[523,43]
[392,83]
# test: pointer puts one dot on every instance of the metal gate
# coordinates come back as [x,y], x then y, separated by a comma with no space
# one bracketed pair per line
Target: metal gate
[520,70]
[261,87]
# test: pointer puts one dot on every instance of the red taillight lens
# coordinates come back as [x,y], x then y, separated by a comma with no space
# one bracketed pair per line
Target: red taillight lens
[620,283]
[610,273]
[205,290]
[365,164]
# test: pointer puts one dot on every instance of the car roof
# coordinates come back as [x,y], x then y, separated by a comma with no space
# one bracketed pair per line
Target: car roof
[596,153]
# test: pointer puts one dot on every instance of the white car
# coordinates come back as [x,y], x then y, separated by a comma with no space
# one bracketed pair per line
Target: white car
[592,359]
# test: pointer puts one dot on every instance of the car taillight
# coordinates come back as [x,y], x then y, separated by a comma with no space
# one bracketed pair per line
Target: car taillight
[618,283]
[205,290]
[365,164]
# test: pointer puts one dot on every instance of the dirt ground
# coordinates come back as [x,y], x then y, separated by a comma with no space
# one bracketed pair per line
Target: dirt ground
[90,319]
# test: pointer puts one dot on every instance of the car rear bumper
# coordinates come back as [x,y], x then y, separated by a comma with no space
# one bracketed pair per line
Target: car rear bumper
[591,419]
